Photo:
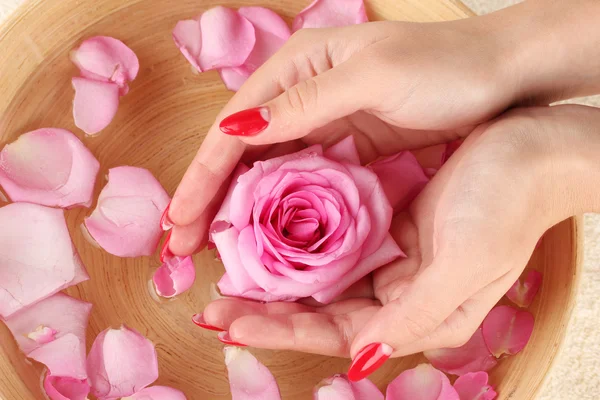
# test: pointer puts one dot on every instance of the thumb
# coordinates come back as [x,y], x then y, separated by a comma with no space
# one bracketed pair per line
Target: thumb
[302,108]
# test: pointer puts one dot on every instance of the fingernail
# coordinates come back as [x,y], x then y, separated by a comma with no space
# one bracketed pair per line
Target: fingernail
[225,338]
[165,222]
[246,123]
[211,246]
[198,319]
[165,252]
[368,360]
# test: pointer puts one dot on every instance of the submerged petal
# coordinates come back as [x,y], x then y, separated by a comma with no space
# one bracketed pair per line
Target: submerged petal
[473,356]
[95,104]
[174,277]
[474,386]
[424,383]
[64,388]
[51,167]
[507,330]
[523,292]
[121,362]
[106,58]
[157,393]
[126,221]
[37,257]
[331,13]
[248,378]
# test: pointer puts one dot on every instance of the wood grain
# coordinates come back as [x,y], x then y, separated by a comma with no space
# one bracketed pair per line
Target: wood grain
[159,126]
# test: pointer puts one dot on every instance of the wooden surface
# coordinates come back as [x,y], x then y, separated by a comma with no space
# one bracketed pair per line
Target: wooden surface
[159,126]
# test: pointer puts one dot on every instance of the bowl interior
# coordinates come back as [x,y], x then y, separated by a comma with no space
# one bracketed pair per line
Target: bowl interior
[159,126]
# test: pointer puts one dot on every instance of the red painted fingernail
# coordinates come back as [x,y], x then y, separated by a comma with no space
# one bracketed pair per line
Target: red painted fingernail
[165,252]
[211,246]
[165,222]
[198,319]
[368,360]
[246,123]
[225,338]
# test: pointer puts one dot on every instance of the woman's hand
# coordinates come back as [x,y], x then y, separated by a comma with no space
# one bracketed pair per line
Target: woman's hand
[468,236]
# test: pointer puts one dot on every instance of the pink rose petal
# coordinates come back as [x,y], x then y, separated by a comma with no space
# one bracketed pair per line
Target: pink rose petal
[227,39]
[402,178]
[331,13]
[174,277]
[474,386]
[339,387]
[126,221]
[95,104]
[121,362]
[61,388]
[248,378]
[473,356]
[522,293]
[424,383]
[234,77]
[42,334]
[36,249]
[222,220]
[106,58]
[188,38]
[507,330]
[50,167]
[227,289]
[344,152]
[157,393]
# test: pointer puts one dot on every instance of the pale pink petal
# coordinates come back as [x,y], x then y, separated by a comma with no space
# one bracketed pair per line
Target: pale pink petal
[174,277]
[64,356]
[523,292]
[331,13]
[248,378]
[227,242]
[474,386]
[121,362]
[63,388]
[227,289]
[271,33]
[108,58]
[37,257]
[188,38]
[222,220]
[388,252]
[338,387]
[402,178]
[344,152]
[42,334]
[424,383]
[473,356]
[126,221]
[507,330]
[234,77]
[157,393]
[50,167]
[227,39]
[95,104]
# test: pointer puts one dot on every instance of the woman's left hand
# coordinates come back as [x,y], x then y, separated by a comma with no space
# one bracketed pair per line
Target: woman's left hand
[468,237]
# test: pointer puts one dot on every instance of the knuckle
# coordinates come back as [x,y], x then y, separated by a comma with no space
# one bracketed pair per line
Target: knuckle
[420,325]
[302,97]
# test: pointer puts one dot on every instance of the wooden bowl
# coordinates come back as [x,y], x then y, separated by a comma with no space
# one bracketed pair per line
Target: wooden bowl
[159,126]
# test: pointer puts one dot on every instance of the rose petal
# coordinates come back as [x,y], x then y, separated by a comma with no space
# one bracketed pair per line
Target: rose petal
[234,77]
[424,383]
[222,220]
[64,356]
[126,221]
[188,38]
[121,362]
[106,58]
[248,378]
[344,151]
[402,178]
[473,356]
[174,277]
[331,13]
[61,388]
[95,104]
[42,334]
[157,393]
[36,249]
[50,167]
[507,330]
[227,39]
[388,252]
[523,293]
[338,387]
[258,294]
[474,386]
[227,242]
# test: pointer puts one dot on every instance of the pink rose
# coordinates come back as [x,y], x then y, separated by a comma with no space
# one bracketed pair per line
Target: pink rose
[310,223]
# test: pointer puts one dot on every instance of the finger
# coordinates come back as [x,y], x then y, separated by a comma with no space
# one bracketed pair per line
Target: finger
[317,333]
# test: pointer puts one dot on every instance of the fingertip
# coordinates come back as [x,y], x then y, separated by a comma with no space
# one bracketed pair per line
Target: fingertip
[187,240]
